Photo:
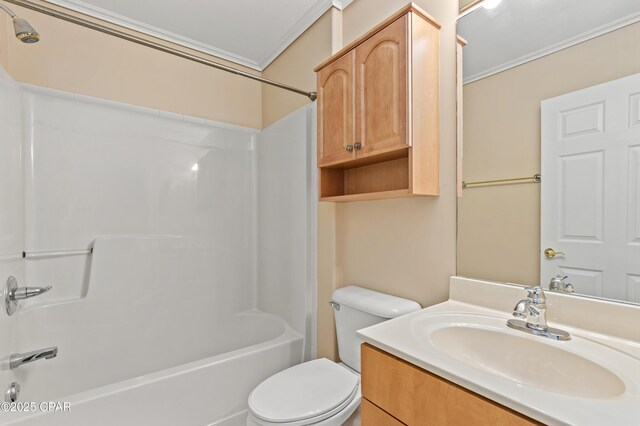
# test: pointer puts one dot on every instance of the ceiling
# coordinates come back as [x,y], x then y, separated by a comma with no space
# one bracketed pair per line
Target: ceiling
[518,31]
[248,32]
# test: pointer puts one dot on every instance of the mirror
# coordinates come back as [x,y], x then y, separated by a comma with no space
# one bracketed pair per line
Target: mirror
[552,88]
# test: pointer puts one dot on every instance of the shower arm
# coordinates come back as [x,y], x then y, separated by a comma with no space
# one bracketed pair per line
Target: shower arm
[148,43]
[9,12]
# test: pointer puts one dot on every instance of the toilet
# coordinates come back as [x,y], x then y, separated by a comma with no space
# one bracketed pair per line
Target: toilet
[322,392]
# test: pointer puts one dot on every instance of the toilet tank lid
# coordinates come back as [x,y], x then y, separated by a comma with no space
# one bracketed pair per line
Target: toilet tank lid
[373,302]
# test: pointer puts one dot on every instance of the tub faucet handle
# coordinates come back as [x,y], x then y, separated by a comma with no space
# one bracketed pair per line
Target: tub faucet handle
[13,294]
[27,292]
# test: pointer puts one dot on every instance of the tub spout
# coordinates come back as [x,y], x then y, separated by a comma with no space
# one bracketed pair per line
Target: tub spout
[16,360]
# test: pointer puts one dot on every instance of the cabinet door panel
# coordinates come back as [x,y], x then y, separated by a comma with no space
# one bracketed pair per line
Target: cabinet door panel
[381,94]
[374,416]
[418,398]
[336,111]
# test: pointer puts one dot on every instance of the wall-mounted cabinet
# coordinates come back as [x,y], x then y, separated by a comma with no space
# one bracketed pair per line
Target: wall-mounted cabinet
[378,112]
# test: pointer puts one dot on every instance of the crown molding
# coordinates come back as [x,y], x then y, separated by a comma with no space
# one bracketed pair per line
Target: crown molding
[117,19]
[303,24]
[572,41]
[312,15]
[341,4]
[300,26]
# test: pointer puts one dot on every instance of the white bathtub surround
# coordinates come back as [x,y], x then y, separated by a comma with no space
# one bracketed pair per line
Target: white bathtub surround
[146,225]
[208,391]
[592,379]
[12,214]
[152,303]
[287,204]
[12,217]
[98,168]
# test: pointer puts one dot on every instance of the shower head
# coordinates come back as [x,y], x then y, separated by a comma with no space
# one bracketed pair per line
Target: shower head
[24,31]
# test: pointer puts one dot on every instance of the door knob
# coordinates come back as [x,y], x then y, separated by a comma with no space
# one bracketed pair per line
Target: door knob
[349,148]
[357,145]
[551,253]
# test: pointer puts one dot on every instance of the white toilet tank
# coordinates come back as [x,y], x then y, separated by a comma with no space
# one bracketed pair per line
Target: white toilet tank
[355,308]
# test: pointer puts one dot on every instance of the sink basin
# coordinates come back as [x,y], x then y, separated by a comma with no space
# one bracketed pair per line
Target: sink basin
[486,344]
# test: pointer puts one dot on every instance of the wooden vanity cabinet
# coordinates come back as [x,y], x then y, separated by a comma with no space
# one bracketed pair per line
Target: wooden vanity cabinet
[396,392]
[378,112]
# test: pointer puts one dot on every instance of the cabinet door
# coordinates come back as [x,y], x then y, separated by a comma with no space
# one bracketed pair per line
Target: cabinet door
[336,132]
[418,397]
[374,416]
[381,90]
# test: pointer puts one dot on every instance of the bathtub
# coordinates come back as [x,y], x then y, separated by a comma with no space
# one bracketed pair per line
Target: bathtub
[210,391]
[160,337]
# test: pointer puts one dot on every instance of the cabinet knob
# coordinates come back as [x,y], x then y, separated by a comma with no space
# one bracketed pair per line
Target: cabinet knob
[349,148]
[357,145]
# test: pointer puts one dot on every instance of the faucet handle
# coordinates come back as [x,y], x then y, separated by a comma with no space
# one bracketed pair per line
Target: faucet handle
[536,294]
[26,292]
[13,294]
[558,283]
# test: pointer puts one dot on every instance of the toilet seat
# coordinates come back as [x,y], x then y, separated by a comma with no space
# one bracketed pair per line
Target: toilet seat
[304,394]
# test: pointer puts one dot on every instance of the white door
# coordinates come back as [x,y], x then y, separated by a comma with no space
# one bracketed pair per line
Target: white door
[590,203]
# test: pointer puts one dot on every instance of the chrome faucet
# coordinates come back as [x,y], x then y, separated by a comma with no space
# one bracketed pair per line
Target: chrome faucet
[16,360]
[558,284]
[533,310]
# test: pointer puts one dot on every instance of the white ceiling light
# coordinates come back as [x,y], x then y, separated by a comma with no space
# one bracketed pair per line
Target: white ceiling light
[490,4]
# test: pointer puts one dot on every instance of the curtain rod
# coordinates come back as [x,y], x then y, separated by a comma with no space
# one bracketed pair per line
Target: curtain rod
[157,46]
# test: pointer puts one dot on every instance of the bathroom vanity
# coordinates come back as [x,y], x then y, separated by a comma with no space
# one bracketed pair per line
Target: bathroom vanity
[459,363]
[404,391]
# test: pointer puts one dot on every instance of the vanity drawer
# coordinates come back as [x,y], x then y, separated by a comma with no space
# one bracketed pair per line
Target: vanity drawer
[417,397]
[372,415]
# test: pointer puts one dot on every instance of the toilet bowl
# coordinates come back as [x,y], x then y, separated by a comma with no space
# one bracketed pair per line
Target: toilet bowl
[322,392]
[318,392]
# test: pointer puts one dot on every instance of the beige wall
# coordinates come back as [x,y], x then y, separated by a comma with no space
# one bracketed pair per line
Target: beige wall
[328,276]
[76,59]
[295,66]
[405,247]
[499,227]
[464,3]
[4,23]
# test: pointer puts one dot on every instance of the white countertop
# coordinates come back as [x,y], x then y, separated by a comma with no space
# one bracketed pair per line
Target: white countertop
[397,338]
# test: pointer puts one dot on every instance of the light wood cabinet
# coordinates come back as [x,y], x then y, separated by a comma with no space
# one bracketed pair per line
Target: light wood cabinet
[373,415]
[336,94]
[381,82]
[412,396]
[378,112]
